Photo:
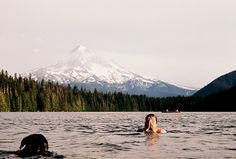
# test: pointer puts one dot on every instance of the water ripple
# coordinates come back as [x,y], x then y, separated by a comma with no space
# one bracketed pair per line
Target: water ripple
[113,135]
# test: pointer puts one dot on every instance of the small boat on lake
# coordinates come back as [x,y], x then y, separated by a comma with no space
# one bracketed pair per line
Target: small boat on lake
[170,111]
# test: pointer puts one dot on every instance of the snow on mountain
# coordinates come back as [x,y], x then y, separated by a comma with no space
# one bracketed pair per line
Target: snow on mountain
[83,67]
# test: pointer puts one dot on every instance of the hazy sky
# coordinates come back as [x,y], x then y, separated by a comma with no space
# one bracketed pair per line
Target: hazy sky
[188,42]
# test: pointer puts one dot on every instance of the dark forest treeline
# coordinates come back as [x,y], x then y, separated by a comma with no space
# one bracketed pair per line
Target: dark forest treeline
[25,94]
[18,94]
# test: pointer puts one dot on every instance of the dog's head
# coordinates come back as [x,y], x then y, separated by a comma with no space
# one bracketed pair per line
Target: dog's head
[34,140]
[34,144]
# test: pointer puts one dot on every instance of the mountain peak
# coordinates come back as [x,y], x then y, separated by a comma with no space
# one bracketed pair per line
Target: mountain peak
[80,54]
[83,67]
[80,49]
[83,64]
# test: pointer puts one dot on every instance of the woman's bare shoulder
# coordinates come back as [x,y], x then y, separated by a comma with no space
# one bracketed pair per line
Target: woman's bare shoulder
[162,131]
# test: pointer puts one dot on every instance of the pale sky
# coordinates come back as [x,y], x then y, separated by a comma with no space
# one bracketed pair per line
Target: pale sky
[187,42]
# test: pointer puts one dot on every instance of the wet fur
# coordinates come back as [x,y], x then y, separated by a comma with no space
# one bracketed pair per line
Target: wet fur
[34,144]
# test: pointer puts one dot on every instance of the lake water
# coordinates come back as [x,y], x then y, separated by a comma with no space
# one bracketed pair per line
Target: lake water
[113,135]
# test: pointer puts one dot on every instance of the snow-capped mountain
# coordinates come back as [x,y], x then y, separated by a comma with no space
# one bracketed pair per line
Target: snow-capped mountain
[83,67]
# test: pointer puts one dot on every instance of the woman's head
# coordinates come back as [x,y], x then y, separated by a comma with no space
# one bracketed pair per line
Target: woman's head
[150,122]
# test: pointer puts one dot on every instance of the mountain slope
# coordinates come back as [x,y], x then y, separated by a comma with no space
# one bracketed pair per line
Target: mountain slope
[84,68]
[224,82]
[220,101]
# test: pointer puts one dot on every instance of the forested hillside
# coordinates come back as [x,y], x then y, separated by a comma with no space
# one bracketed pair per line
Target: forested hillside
[18,94]
[221,83]
[221,101]
[25,94]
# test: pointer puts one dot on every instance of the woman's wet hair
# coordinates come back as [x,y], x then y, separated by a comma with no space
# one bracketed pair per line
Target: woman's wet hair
[147,120]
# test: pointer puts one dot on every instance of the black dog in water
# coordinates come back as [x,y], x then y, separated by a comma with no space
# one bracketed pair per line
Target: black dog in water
[32,145]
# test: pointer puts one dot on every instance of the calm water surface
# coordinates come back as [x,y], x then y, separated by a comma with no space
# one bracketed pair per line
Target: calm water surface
[113,135]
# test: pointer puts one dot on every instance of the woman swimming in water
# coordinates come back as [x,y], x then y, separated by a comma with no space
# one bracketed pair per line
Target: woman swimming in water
[151,125]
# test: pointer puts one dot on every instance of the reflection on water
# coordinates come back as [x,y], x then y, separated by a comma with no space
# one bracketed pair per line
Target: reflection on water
[113,135]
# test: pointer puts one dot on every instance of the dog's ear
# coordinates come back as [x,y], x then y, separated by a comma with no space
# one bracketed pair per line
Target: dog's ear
[22,144]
